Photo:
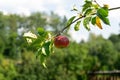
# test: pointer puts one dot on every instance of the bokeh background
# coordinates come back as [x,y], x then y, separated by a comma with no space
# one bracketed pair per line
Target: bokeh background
[88,50]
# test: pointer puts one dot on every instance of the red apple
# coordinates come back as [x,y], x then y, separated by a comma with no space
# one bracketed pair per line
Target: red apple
[61,41]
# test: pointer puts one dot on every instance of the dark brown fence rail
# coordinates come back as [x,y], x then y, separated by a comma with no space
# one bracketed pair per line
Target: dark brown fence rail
[104,75]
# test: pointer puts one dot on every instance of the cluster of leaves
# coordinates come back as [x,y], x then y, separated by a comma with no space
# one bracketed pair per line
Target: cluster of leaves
[41,42]
[92,13]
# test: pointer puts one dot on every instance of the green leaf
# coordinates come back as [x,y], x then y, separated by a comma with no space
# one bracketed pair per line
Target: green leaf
[37,43]
[106,20]
[70,20]
[44,65]
[103,12]
[77,25]
[38,52]
[30,40]
[46,47]
[40,30]
[87,5]
[42,60]
[93,20]
[51,47]
[43,51]
[88,11]
[86,23]
[96,6]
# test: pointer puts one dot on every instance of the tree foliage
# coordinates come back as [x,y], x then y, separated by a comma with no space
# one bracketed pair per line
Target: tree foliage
[70,63]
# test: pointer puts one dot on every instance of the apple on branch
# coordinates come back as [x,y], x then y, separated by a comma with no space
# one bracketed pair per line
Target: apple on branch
[61,41]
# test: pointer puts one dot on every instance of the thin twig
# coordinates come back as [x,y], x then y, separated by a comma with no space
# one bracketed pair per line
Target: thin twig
[72,23]
[79,19]
[114,8]
[69,25]
[97,3]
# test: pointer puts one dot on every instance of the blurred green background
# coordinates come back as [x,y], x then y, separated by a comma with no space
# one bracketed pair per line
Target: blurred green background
[18,62]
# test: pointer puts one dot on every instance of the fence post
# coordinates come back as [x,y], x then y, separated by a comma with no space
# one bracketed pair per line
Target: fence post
[105,75]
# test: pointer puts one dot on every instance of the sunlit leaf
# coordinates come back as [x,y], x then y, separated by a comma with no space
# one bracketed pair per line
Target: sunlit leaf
[98,23]
[86,23]
[29,34]
[30,40]
[70,20]
[46,48]
[43,51]
[87,5]
[88,11]
[44,65]
[77,26]
[96,6]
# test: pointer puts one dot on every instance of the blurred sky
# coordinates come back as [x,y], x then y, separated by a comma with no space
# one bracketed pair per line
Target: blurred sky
[63,7]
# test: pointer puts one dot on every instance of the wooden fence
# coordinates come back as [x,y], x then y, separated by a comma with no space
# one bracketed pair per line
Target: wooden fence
[104,75]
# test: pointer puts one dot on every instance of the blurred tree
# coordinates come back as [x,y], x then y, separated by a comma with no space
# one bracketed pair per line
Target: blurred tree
[12,35]
[56,22]
[3,32]
[36,20]
[103,49]
[115,40]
